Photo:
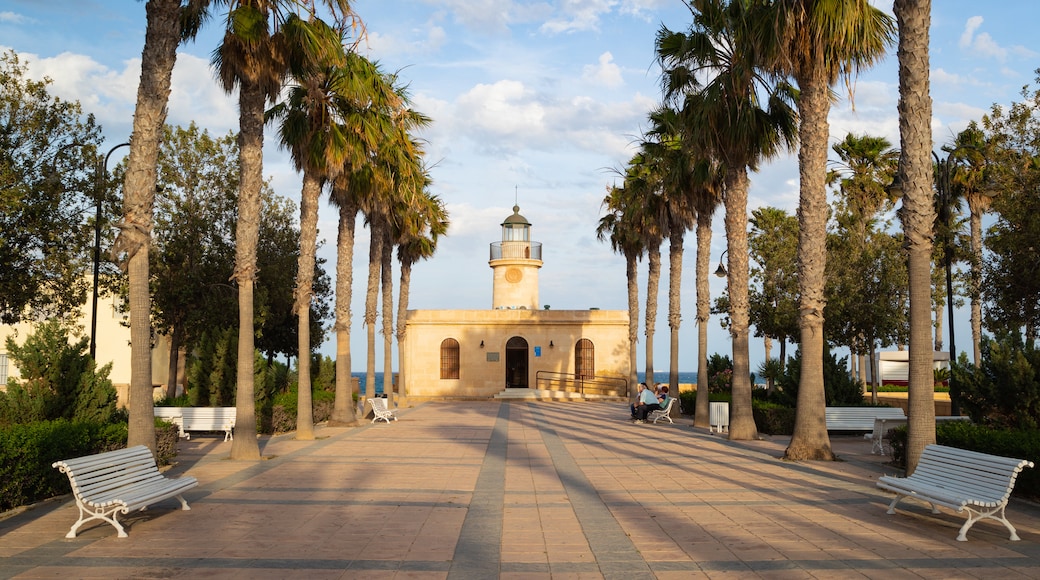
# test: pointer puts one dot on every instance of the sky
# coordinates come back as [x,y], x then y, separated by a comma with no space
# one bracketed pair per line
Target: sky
[536,103]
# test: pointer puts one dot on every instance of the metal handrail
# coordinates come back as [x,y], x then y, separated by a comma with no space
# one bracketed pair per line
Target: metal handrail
[574,383]
[516,250]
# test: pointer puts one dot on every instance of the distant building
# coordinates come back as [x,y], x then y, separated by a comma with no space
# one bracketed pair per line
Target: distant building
[515,345]
[113,346]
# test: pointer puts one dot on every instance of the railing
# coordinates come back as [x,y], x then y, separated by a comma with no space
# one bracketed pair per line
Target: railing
[572,383]
[514,250]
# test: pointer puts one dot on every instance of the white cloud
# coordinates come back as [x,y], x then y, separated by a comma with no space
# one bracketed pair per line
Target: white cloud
[982,43]
[605,73]
[970,27]
[13,18]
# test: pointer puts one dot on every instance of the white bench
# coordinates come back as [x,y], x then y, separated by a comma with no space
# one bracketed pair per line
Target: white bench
[960,480]
[859,418]
[380,410]
[665,413]
[190,419]
[115,482]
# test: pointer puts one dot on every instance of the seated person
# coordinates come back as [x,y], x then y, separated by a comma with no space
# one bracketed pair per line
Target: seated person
[662,396]
[635,406]
[648,402]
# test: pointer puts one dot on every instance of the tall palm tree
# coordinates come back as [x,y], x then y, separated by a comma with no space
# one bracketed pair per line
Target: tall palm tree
[713,71]
[396,169]
[643,185]
[969,178]
[368,121]
[421,228]
[819,42]
[253,57]
[312,129]
[618,225]
[913,18]
[168,23]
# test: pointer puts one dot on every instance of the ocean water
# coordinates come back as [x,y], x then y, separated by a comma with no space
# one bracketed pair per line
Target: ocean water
[662,377]
[361,378]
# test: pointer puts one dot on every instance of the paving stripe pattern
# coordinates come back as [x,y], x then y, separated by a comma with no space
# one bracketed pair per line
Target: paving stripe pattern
[473,490]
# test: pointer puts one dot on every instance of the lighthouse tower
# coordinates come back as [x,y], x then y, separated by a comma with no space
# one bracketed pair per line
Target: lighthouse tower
[515,262]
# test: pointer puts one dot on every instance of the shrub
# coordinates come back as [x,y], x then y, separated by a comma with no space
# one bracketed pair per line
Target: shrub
[59,380]
[772,418]
[839,387]
[1004,389]
[28,450]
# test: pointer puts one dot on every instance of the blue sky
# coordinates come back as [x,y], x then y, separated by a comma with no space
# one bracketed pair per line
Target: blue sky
[533,102]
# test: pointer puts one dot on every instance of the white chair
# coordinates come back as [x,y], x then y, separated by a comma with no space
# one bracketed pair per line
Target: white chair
[381,411]
[718,417]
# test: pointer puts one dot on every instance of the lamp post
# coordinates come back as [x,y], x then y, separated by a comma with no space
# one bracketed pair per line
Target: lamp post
[100,180]
[943,169]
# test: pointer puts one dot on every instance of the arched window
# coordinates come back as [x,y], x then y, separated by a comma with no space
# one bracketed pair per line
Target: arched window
[585,359]
[449,358]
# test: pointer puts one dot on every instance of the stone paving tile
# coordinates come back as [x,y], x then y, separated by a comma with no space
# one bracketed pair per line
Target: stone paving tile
[522,490]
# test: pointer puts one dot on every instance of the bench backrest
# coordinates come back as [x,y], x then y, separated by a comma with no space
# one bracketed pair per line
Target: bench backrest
[986,478]
[93,476]
[199,418]
[859,418]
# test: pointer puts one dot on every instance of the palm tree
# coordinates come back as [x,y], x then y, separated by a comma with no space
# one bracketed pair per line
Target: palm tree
[169,22]
[366,123]
[312,130]
[397,169]
[421,227]
[618,224]
[918,214]
[820,41]
[253,57]
[970,180]
[712,71]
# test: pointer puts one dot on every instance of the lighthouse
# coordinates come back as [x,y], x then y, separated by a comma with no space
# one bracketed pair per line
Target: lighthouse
[515,262]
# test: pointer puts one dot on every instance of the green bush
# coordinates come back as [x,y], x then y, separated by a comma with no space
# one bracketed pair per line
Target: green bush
[1004,389]
[28,450]
[59,380]
[284,411]
[772,418]
[840,389]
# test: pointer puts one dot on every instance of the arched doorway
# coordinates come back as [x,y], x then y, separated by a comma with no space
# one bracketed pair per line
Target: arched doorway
[516,363]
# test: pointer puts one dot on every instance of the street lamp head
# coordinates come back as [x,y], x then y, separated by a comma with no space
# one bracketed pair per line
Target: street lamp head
[721,270]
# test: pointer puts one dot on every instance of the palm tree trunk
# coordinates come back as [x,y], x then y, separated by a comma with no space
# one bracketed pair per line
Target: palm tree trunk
[404,287]
[632,276]
[701,416]
[975,283]
[251,164]
[176,339]
[343,409]
[157,59]
[652,283]
[386,275]
[375,252]
[304,290]
[675,255]
[742,420]
[913,18]
[938,345]
[810,440]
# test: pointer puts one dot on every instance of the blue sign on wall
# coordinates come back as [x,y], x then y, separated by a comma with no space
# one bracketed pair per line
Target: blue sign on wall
[537,351]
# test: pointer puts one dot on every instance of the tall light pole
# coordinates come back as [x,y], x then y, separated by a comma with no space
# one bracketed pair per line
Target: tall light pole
[943,167]
[100,180]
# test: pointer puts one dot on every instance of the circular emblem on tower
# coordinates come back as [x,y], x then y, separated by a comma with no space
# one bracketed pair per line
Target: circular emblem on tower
[514,275]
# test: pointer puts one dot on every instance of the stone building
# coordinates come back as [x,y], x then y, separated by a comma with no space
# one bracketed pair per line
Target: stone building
[515,347]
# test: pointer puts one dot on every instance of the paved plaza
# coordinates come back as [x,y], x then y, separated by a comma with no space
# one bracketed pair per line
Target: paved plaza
[474,490]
